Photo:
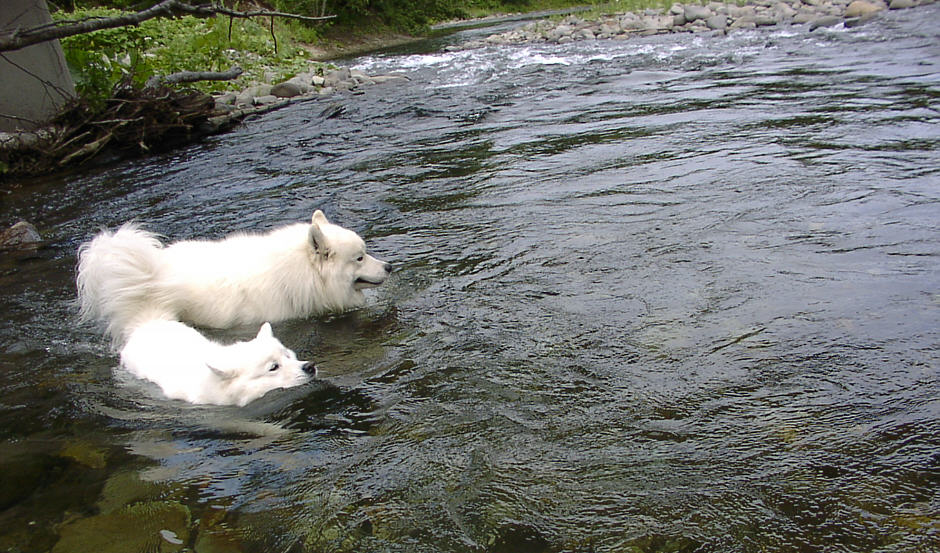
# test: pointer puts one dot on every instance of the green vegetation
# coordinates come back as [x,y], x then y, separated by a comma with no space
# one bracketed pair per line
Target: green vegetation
[162,46]
[265,50]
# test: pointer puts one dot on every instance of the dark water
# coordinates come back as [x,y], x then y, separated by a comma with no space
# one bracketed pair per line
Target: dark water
[673,294]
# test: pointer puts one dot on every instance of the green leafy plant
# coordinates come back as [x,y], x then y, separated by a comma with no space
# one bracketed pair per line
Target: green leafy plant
[101,59]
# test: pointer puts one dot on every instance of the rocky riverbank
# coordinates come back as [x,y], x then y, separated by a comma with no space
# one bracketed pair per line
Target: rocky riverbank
[688,18]
[691,18]
[58,145]
[306,85]
[137,122]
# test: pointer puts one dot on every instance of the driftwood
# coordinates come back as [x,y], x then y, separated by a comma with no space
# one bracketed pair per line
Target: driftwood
[192,77]
[134,121]
[21,38]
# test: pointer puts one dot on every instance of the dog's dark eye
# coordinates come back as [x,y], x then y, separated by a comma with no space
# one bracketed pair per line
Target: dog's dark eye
[275,367]
[360,258]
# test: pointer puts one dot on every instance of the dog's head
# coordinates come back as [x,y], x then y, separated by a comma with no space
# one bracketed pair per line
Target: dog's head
[345,265]
[248,370]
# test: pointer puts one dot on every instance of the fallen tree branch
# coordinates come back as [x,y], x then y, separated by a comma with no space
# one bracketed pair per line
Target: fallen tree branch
[21,38]
[193,76]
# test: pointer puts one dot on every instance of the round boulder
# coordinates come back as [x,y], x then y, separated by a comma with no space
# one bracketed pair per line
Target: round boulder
[286,90]
[717,22]
[20,235]
[861,8]
[693,12]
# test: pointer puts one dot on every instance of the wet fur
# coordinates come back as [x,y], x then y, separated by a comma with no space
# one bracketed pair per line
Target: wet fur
[190,367]
[128,276]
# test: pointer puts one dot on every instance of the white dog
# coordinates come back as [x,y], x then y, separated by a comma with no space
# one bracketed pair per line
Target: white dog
[128,276]
[190,367]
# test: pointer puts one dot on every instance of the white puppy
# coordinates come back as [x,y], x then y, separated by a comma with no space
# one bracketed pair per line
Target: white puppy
[190,367]
[128,276]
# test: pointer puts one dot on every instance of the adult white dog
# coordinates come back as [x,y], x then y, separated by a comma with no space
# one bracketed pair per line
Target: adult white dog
[190,367]
[128,276]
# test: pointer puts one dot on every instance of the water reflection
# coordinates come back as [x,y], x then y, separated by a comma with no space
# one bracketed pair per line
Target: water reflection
[675,294]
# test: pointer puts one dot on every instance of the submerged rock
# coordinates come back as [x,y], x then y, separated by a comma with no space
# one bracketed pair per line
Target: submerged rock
[158,526]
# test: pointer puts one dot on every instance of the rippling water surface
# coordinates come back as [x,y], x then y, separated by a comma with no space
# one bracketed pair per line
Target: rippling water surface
[679,293]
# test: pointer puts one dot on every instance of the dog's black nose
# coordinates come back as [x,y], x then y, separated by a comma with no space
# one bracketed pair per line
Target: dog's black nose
[309,368]
[388,268]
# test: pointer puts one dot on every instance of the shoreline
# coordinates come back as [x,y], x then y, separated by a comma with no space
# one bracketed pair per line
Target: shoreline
[715,17]
[26,154]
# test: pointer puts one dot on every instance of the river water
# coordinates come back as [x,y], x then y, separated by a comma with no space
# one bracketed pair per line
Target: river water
[679,293]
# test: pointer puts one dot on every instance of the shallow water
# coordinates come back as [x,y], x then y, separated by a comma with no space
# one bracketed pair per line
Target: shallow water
[672,294]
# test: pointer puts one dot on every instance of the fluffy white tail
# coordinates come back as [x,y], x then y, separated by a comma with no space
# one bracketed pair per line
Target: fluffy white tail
[115,278]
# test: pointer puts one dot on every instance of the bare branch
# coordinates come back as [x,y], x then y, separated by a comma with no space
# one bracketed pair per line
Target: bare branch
[21,38]
[193,76]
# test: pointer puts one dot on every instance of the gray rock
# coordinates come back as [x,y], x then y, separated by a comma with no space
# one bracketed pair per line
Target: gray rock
[584,34]
[901,4]
[264,100]
[717,22]
[861,8]
[244,98]
[858,21]
[380,79]
[302,81]
[804,16]
[559,32]
[693,12]
[337,76]
[659,22]
[21,235]
[345,85]
[632,23]
[784,11]
[286,90]
[741,11]
[824,21]
[765,21]
[360,78]
[259,90]
[743,23]
[226,99]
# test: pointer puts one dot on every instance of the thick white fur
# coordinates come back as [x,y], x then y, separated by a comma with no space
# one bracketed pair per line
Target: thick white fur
[192,368]
[128,276]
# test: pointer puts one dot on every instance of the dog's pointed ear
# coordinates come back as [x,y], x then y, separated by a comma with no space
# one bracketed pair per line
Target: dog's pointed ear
[316,236]
[265,331]
[319,218]
[219,371]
